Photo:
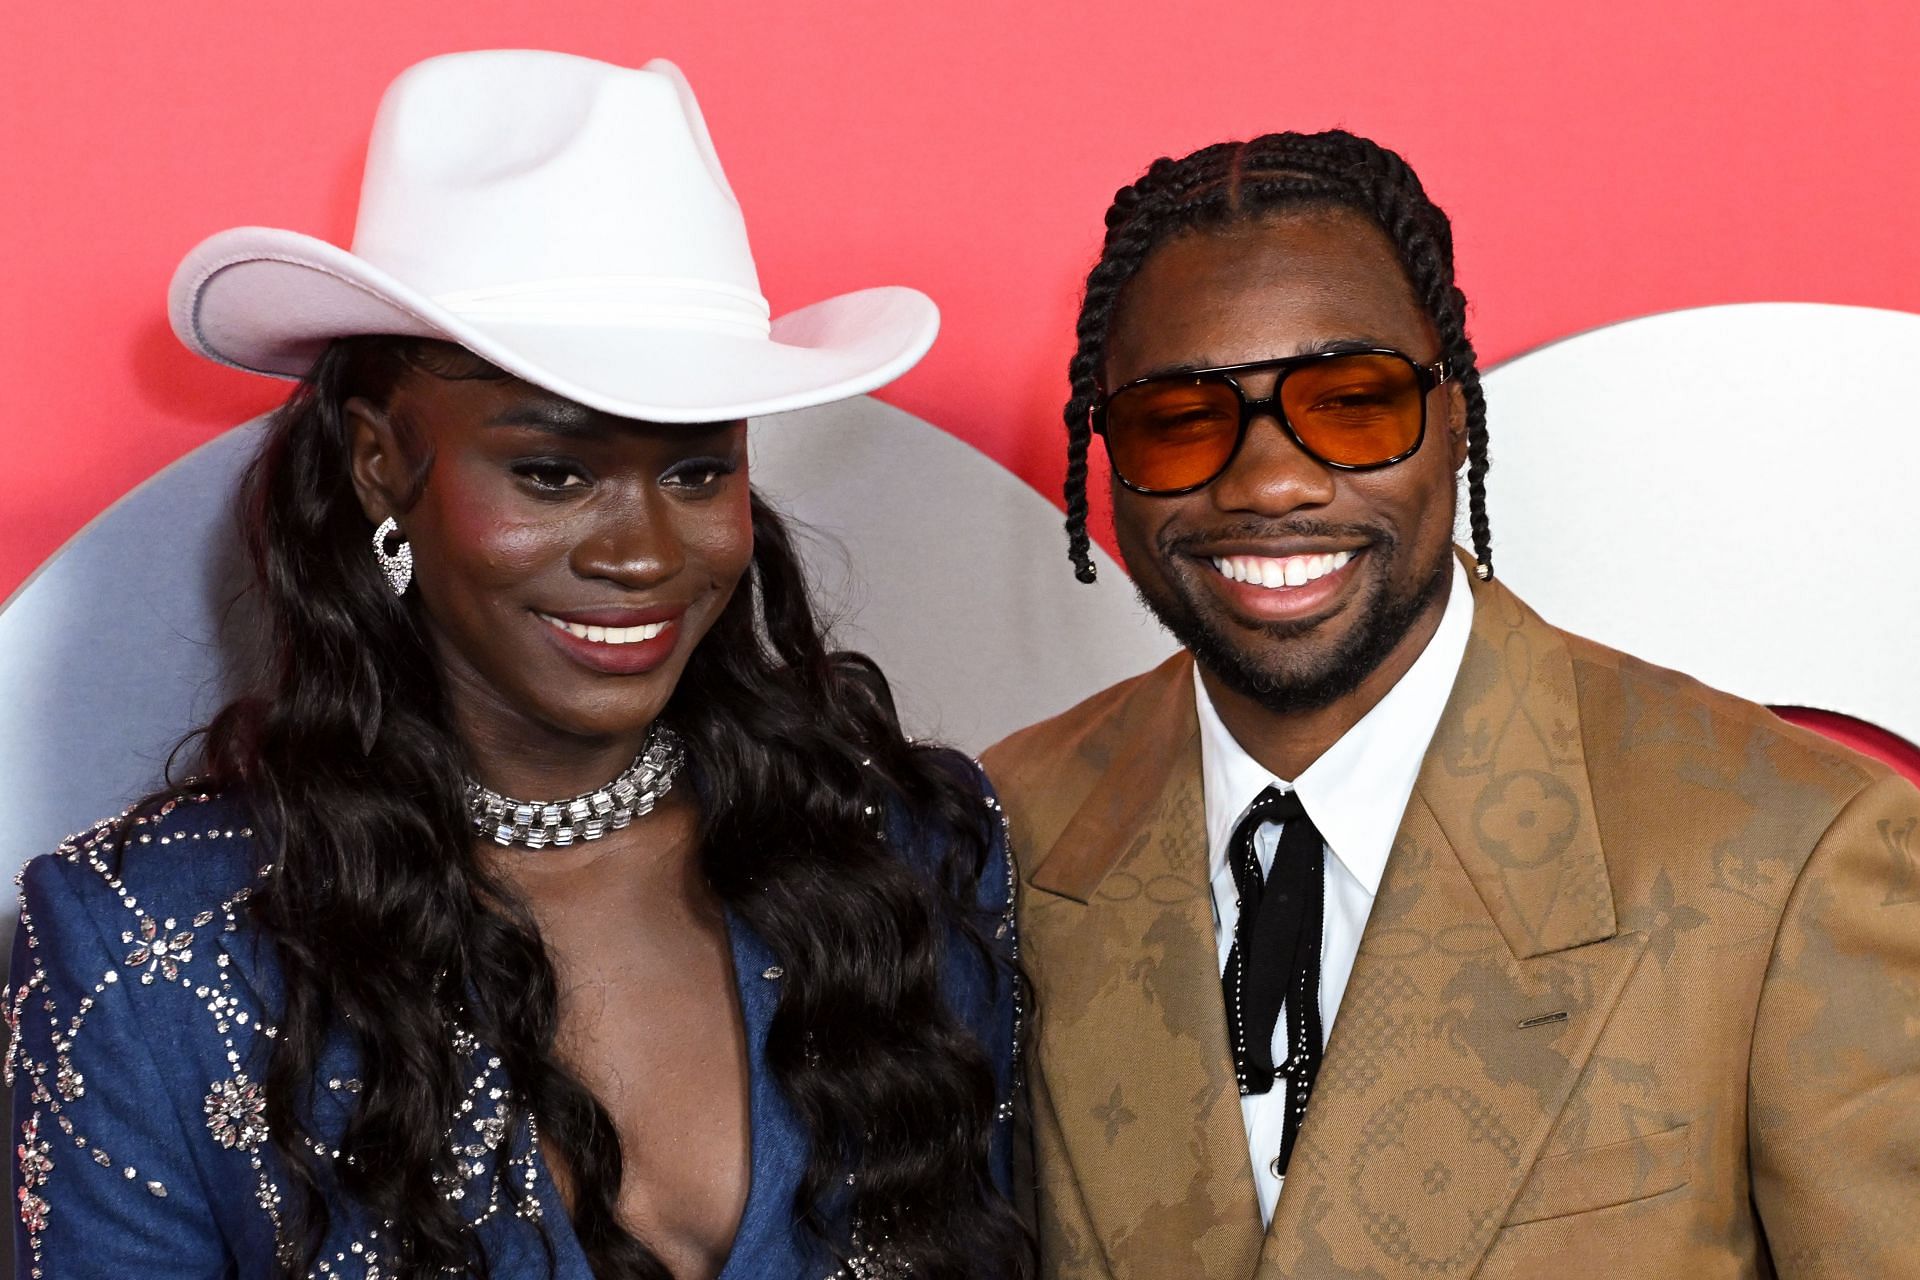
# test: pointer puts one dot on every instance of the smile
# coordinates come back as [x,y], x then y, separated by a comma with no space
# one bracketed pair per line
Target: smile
[1286,571]
[606,635]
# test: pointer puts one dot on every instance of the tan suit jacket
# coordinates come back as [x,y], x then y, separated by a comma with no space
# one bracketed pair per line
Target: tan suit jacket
[1639,996]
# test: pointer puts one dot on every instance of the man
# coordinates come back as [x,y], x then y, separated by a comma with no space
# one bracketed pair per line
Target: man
[1386,930]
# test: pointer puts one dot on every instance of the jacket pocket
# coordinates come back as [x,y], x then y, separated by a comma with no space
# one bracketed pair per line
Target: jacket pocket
[1597,1177]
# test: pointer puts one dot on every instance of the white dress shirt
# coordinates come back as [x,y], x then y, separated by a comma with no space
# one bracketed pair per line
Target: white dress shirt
[1355,794]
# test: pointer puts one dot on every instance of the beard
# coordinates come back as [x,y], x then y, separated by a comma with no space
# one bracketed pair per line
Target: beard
[1275,664]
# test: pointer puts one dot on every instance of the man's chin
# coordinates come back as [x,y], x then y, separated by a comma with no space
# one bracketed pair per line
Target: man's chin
[1301,685]
[1318,668]
[1231,650]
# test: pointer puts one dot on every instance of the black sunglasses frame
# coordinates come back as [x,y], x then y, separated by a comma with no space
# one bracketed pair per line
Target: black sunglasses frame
[1429,376]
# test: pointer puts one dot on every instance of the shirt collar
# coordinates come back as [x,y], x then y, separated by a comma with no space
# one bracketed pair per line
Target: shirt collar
[1357,791]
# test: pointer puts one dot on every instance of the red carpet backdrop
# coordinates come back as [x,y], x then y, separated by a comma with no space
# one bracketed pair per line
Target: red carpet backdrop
[1601,162]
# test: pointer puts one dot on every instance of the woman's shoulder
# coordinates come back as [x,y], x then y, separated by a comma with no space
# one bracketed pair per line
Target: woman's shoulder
[926,837]
[982,981]
[153,871]
[133,1029]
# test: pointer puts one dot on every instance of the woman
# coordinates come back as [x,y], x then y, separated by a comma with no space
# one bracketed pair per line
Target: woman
[560,906]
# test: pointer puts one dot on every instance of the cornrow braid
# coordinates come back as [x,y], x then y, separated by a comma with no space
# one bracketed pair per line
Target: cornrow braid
[1231,182]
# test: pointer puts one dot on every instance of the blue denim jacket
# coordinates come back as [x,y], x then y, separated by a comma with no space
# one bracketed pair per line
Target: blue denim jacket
[139,1003]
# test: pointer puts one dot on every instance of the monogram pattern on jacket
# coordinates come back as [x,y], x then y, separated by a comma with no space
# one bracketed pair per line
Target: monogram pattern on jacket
[1641,988]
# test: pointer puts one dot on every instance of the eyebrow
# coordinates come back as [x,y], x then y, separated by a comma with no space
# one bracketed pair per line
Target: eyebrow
[1317,347]
[570,421]
[562,418]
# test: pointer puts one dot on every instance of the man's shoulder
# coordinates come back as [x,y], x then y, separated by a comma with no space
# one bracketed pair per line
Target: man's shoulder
[1675,763]
[1641,704]
[1085,738]
[1046,773]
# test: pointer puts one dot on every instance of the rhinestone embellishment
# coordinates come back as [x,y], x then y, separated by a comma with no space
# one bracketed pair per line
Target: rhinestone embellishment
[237,1113]
[156,950]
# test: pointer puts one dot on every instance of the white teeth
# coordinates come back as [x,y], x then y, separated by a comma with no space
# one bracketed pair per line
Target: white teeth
[607,635]
[1281,571]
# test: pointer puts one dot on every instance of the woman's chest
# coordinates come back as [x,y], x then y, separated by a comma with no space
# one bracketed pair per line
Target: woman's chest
[661,1044]
[711,1151]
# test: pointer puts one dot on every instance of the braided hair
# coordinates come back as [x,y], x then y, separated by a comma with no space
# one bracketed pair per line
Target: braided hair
[1233,182]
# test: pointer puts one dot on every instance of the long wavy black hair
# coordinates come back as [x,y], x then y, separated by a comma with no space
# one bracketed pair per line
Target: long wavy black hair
[390,927]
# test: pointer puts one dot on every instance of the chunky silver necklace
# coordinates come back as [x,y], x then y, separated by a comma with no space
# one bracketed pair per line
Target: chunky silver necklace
[535,824]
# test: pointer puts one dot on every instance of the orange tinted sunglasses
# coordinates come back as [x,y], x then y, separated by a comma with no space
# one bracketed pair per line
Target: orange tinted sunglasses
[1354,410]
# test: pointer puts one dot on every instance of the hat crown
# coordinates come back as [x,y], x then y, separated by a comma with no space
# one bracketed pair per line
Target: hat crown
[566,220]
[543,177]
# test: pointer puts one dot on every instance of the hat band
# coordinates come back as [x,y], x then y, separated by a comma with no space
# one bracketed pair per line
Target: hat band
[643,301]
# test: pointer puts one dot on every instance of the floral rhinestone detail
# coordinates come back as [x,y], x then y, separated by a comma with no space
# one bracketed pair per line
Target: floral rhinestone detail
[35,1165]
[36,1158]
[33,1211]
[154,951]
[36,1162]
[237,1113]
[72,1085]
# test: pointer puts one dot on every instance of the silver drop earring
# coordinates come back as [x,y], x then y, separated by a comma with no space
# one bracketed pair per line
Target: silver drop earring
[397,564]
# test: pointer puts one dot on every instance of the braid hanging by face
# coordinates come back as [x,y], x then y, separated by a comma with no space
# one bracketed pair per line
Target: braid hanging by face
[1232,182]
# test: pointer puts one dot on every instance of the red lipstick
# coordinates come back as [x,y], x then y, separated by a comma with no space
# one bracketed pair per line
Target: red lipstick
[615,641]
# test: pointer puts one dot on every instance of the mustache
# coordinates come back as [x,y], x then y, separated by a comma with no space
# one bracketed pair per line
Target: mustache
[1188,541]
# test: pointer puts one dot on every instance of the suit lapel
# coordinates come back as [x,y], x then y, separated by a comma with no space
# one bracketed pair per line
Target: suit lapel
[1485,974]
[1134,1043]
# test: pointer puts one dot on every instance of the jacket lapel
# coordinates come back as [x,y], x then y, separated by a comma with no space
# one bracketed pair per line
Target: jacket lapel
[1485,975]
[1133,1048]
[780,1146]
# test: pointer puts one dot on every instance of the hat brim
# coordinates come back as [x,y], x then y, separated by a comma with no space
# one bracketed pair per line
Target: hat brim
[270,301]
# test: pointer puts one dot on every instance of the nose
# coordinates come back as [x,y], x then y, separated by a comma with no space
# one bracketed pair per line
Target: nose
[633,542]
[1271,475]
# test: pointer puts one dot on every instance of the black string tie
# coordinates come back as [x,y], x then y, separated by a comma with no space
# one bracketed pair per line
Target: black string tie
[1275,961]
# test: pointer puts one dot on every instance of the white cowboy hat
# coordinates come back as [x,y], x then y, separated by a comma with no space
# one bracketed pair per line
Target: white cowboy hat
[567,220]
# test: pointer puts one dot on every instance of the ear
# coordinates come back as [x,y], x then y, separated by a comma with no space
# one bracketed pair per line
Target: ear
[1457,424]
[374,457]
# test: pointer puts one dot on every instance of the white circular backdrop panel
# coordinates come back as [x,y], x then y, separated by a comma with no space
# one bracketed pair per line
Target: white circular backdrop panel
[1733,491]
[927,554]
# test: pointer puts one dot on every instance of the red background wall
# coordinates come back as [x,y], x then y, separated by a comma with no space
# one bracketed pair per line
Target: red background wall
[1600,162]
